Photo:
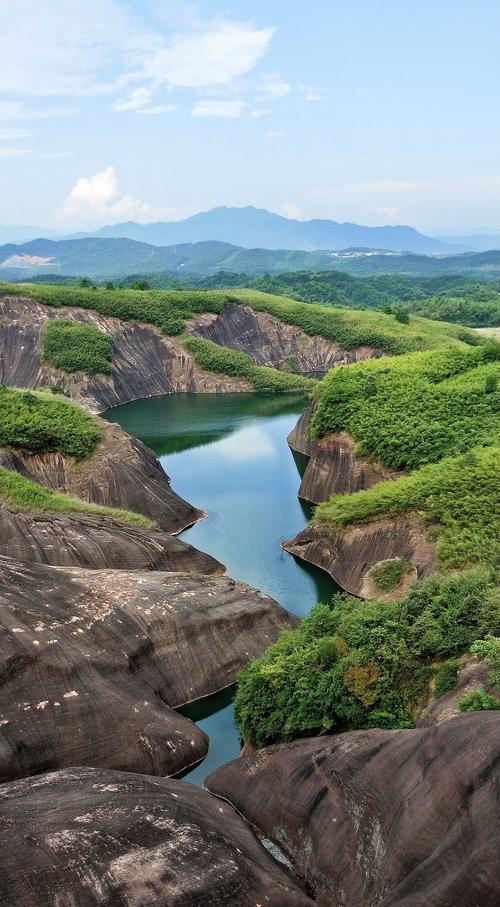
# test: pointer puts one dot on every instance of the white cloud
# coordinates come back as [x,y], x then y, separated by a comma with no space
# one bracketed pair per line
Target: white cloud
[290,209]
[98,200]
[14,152]
[140,97]
[8,134]
[386,213]
[272,88]
[159,108]
[216,55]
[276,134]
[311,93]
[227,109]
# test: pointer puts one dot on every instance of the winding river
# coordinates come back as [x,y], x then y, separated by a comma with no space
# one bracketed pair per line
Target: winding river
[228,455]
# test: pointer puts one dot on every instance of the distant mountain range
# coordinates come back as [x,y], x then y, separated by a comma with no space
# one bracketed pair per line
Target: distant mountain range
[257,228]
[120,258]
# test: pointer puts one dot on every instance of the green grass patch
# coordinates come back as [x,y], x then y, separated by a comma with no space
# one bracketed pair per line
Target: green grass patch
[217,358]
[446,677]
[75,347]
[22,494]
[458,500]
[38,421]
[388,575]
[414,409]
[478,701]
[359,663]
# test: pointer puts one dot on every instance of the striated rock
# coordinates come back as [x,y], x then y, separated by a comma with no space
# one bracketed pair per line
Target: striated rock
[93,661]
[395,818]
[269,341]
[349,555]
[84,836]
[145,362]
[79,540]
[122,473]
[332,467]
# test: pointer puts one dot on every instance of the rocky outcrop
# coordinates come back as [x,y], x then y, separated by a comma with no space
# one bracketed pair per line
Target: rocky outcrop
[92,663]
[78,540]
[401,818]
[332,467]
[349,555]
[122,473]
[473,675]
[270,342]
[84,836]
[145,362]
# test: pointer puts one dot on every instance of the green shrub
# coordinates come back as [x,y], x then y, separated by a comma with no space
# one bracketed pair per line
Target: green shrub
[38,422]
[488,650]
[478,701]
[75,347]
[233,362]
[22,494]
[358,663]
[446,677]
[388,574]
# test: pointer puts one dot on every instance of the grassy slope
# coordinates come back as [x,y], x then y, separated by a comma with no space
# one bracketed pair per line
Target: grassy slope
[170,309]
[39,421]
[22,494]
[73,347]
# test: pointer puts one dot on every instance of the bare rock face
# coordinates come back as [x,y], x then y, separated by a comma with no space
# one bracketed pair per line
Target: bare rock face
[349,555]
[122,473]
[93,661]
[269,341]
[85,836]
[145,362]
[96,542]
[394,818]
[332,467]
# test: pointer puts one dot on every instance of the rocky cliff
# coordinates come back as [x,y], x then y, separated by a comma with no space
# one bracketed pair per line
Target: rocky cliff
[401,818]
[122,473]
[270,342]
[349,555]
[84,836]
[332,467]
[145,362]
[93,661]
[96,542]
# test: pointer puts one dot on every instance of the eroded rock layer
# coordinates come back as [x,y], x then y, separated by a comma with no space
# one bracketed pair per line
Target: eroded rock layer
[270,342]
[92,662]
[122,473]
[401,818]
[84,836]
[145,362]
[95,542]
[348,555]
[332,467]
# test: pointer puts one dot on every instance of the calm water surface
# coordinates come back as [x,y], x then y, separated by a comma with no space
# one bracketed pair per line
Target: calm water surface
[228,455]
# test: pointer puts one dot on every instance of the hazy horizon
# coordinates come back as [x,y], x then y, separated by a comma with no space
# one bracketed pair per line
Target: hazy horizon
[148,110]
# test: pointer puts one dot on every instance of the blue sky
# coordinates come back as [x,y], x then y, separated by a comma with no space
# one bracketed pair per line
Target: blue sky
[375,111]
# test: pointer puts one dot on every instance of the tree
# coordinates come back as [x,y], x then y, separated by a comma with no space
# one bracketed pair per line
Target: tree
[402,316]
[141,285]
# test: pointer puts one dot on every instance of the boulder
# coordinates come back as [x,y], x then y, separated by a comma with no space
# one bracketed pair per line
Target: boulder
[84,836]
[404,818]
[92,663]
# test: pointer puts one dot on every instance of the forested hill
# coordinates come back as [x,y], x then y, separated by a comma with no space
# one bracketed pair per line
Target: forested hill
[117,258]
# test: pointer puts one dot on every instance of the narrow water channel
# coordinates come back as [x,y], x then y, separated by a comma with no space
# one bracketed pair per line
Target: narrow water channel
[228,455]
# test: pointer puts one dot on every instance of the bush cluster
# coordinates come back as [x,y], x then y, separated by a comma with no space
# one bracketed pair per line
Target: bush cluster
[39,421]
[388,575]
[75,347]
[359,663]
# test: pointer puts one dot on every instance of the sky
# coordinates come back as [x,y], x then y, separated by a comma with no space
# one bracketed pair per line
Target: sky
[372,111]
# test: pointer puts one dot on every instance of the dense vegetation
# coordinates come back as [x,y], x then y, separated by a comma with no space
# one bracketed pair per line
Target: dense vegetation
[415,409]
[169,310]
[73,347]
[22,494]
[359,663]
[233,362]
[38,421]
[388,574]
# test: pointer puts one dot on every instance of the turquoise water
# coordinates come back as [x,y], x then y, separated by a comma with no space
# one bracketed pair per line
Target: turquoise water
[228,455]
